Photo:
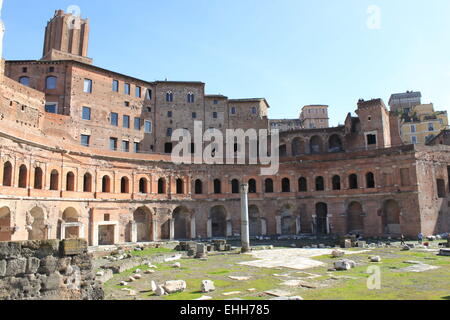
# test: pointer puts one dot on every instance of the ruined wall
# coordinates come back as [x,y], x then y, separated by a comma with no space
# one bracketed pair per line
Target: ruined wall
[47,270]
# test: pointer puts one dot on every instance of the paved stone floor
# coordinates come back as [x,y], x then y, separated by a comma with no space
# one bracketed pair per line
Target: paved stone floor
[298,259]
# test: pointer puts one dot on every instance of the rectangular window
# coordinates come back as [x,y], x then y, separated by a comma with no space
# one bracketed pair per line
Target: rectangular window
[169,114]
[125,146]
[51,108]
[137,124]
[169,132]
[233,110]
[148,94]
[413,128]
[216,102]
[138,92]
[115,86]
[114,119]
[87,86]
[126,89]
[136,147]
[86,113]
[431,127]
[215,116]
[148,126]
[371,139]
[126,122]
[194,115]
[113,144]
[441,188]
[254,110]
[414,140]
[85,139]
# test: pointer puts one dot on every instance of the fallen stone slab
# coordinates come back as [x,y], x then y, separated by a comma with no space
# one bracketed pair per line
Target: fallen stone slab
[239,278]
[208,286]
[174,258]
[278,293]
[297,298]
[419,268]
[300,283]
[444,252]
[204,298]
[174,286]
[375,259]
[233,293]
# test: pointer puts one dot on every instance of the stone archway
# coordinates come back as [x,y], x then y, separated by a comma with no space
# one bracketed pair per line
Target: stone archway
[355,219]
[142,218]
[335,144]
[218,217]
[70,226]
[322,218]
[5,224]
[288,221]
[36,224]
[181,223]
[255,221]
[391,218]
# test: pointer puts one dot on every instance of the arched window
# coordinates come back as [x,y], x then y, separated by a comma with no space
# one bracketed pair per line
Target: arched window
[190,97]
[7,174]
[70,182]
[23,176]
[335,144]
[124,185]
[169,96]
[180,188]
[235,186]
[217,186]
[24,81]
[106,184]
[286,185]
[38,175]
[54,180]
[198,186]
[370,179]
[269,186]
[320,184]
[161,186]
[87,183]
[252,186]
[336,183]
[303,185]
[353,181]
[143,186]
[50,83]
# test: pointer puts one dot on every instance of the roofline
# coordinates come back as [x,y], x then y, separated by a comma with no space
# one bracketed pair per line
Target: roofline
[247,100]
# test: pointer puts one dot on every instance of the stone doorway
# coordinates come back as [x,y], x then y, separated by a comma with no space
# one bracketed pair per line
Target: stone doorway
[142,219]
[106,235]
[391,218]
[255,221]
[355,219]
[322,218]
[181,223]
[5,224]
[218,218]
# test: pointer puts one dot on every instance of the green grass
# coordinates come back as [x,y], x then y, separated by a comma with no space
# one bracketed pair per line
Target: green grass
[151,251]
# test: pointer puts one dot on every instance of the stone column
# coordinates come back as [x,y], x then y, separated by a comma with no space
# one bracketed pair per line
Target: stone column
[155,235]
[264,227]
[328,225]
[193,229]
[63,231]
[133,231]
[172,229]
[229,228]
[298,226]
[278,220]
[245,228]
[209,228]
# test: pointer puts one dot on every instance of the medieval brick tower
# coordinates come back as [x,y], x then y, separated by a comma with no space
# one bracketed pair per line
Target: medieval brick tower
[66,38]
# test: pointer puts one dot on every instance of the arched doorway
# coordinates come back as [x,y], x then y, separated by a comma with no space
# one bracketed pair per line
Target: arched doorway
[37,227]
[315,144]
[391,218]
[143,218]
[255,221]
[218,216]
[5,224]
[181,220]
[355,219]
[335,144]
[322,218]
[288,223]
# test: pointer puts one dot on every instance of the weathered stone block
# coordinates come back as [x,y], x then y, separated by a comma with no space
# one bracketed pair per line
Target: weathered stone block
[15,267]
[52,282]
[32,265]
[72,247]
[2,268]
[10,250]
[48,265]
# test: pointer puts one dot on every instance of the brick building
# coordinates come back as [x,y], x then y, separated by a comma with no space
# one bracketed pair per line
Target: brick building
[83,153]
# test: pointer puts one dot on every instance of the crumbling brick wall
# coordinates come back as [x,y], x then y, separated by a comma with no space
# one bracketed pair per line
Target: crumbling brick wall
[46,270]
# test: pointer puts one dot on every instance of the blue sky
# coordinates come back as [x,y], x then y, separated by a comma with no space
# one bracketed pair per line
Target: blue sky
[292,52]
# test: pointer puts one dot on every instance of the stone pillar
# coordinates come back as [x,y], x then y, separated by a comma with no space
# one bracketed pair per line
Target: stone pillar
[63,231]
[133,231]
[328,225]
[264,227]
[193,229]
[229,228]
[298,226]
[155,235]
[245,227]
[209,228]
[48,229]
[278,220]
[172,229]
